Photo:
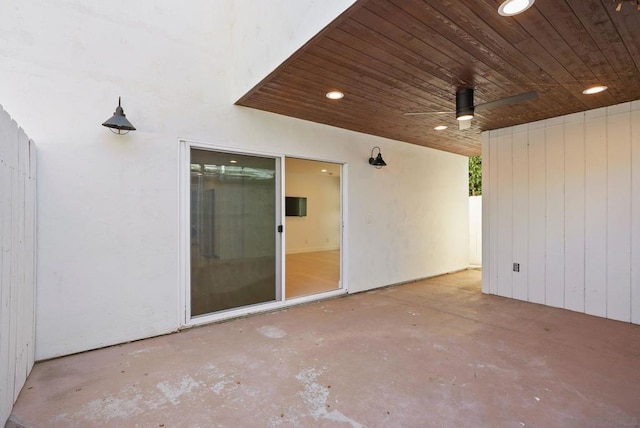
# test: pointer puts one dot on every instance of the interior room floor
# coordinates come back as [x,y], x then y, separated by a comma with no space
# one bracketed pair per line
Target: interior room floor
[434,353]
[312,273]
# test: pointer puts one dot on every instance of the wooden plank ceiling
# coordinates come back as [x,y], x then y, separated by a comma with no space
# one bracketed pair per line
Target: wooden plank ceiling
[390,57]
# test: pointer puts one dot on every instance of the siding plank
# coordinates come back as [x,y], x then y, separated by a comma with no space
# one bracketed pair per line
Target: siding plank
[635,217]
[520,211]
[505,210]
[537,214]
[619,212]
[486,199]
[574,212]
[596,213]
[494,217]
[554,274]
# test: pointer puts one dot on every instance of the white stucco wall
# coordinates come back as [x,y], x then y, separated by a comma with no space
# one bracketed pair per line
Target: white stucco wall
[561,197]
[268,32]
[108,248]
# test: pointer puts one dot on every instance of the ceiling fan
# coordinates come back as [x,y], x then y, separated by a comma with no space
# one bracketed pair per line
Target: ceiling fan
[465,107]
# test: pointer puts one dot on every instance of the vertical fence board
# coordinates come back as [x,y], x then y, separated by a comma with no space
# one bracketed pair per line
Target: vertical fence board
[30,222]
[7,364]
[17,261]
[14,286]
[21,308]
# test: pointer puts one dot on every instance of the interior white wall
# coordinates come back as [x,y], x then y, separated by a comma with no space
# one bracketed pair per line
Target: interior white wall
[17,260]
[562,198]
[109,253]
[319,230]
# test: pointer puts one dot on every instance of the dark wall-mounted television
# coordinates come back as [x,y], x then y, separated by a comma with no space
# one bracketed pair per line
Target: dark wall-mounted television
[295,206]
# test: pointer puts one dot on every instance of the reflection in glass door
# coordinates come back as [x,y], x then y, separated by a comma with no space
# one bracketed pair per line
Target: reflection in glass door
[233,231]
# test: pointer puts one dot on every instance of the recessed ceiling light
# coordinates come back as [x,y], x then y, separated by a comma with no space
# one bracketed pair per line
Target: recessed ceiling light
[440,128]
[594,90]
[335,95]
[233,161]
[465,117]
[514,7]
[323,170]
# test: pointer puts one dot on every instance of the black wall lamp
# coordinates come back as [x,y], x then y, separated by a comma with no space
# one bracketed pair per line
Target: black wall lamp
[118,123]
[378,162]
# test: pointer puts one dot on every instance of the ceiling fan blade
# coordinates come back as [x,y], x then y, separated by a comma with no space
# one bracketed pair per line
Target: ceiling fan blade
[417,113]
[508,100]
[464,124]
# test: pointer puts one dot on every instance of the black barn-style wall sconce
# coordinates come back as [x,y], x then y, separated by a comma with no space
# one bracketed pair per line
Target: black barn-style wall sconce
[378,162]
[118,123]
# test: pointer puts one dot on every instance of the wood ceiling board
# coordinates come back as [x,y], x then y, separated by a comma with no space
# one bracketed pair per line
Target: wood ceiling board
[412,41]
[395,56]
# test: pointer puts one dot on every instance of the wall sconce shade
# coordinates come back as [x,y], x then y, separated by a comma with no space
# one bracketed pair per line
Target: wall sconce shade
[119,122]
[378,162]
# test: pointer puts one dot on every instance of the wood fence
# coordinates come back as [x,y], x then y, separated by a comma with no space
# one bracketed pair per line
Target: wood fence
[17,260]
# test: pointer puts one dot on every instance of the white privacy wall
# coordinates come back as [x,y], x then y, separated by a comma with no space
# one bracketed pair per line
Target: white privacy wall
[17,260]
[109,224]
[268,32]
[562,198]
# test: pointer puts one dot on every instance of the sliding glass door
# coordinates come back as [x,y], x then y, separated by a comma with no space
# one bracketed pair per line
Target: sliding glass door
[234,242]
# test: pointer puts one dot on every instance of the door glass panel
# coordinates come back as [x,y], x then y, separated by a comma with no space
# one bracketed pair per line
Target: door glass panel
[233,236]
[314,234]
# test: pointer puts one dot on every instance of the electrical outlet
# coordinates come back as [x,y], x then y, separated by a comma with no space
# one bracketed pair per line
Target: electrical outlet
[516,267]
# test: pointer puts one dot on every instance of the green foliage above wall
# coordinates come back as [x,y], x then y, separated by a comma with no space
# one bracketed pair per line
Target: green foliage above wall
[475,175]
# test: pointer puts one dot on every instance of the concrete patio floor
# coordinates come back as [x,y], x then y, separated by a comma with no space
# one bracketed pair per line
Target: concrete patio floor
[434,353]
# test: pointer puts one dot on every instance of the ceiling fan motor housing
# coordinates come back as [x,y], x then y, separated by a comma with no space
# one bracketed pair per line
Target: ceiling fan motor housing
[464,102]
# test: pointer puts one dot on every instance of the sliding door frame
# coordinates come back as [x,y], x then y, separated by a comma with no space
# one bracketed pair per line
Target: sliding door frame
[342,284]
[184,302]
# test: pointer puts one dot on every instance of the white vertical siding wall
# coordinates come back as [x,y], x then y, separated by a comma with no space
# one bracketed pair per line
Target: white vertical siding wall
[562,199]
[475,230]
[17,261]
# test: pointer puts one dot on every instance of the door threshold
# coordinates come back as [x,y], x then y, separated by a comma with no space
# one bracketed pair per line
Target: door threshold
[261,308]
